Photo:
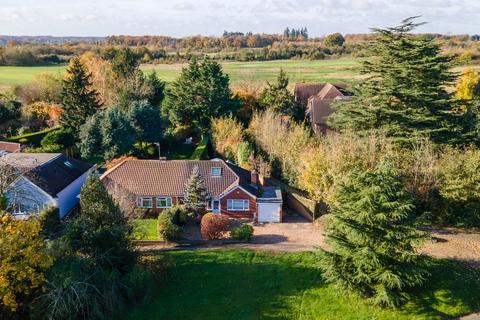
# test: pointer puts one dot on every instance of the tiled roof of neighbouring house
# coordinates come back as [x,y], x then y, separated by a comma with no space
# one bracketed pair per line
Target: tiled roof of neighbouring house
[52,172]
[304,90]
[169,177]
[10,146]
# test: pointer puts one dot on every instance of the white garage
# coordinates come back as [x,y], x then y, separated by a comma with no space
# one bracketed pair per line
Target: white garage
[269,205]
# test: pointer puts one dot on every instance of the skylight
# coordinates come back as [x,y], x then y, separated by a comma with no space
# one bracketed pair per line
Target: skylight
[216,171]
[68,164]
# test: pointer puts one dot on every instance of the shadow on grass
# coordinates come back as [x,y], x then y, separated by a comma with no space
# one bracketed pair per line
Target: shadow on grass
[237,284]
[247,284]
[452,289]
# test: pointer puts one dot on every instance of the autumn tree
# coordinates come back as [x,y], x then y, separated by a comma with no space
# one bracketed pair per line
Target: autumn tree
[334,40]
[24,261]
[227,134]
[200,93]
[79,100]
[373,238]
[405,91]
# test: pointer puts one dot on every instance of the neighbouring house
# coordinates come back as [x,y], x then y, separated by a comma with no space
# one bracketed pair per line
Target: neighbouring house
[43,180]
[317,98]
[9,147]
[160,184]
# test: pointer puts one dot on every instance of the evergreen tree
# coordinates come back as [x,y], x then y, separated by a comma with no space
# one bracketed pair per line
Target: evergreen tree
[195,192]
[118,135]
[125,63]
[286,33]
[101,232]
[334,40]
[404,94]
[146,120]
[156,89]
[79,101]
[373,238]
[200,93]
[278,98]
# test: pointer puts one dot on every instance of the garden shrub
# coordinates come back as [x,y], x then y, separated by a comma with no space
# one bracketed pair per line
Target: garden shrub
[459,186]
[167,229]
[242,233]
[178,214]
[214,226]
[50,221]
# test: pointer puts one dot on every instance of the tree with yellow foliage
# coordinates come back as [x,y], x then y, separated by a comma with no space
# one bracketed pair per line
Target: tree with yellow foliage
[24,261]
[468,85]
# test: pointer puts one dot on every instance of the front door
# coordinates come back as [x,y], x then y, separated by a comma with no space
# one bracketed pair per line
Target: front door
[216,206]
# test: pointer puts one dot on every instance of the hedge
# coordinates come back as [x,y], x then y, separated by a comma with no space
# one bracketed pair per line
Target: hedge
[201,152]
[33,138]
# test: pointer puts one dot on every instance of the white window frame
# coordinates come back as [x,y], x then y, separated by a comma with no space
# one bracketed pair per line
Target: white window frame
[219,171]
[140,202]
[167,204]
[231,205]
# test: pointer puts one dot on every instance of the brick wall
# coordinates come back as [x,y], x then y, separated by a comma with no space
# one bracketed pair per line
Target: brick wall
[239,194]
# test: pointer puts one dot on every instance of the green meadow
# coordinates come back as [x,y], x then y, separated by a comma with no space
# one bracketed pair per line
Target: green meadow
[339,70]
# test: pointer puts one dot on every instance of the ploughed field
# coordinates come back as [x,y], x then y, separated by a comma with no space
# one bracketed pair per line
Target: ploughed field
[246,284]
[338,70]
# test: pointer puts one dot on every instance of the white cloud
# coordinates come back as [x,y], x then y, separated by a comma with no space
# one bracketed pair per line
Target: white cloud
[186,17]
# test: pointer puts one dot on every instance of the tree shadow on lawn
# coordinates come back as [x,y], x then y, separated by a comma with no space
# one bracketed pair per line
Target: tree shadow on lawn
[233,284]
[452,289]
[247,284]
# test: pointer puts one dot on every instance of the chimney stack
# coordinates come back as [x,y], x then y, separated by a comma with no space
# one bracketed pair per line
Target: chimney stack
[254,180]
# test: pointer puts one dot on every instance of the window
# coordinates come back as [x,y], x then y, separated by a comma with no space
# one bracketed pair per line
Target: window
[216,171]
[145,202]
[238,205]
[68,164]
[164,202]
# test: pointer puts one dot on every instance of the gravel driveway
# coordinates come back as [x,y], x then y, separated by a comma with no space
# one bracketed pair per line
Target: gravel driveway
[296,234]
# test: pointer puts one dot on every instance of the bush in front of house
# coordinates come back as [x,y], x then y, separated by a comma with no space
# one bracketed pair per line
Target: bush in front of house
[50,222]
[168,230]
[214,226]
[242,233]
[179,214]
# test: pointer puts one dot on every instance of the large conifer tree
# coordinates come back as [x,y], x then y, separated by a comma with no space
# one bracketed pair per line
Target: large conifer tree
[200,93]
[405,91]
[373,237]
[79,100]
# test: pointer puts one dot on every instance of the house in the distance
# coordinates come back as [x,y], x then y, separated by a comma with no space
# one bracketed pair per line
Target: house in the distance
[41,180]
[160,184]
[317,99]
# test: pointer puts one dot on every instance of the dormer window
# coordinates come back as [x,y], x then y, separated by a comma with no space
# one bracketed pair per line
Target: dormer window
[216,171]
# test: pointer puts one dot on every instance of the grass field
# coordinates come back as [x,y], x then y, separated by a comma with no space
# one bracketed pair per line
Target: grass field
[340,70]
[244,284]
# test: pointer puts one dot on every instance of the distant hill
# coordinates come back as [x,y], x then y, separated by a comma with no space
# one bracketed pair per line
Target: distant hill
[48,39]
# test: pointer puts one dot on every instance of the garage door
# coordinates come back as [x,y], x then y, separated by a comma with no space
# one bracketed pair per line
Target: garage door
[269,212]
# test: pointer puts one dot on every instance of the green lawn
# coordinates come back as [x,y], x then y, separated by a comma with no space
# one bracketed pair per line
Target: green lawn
[244,284]
[339,70]
[145,229]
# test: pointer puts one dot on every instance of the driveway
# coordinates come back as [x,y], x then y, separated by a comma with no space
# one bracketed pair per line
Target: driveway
[296,234]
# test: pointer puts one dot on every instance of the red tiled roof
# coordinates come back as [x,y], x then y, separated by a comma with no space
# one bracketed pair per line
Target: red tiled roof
[10,146]
[168,178]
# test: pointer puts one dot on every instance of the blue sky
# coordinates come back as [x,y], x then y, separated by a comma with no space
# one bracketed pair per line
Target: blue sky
[211,17]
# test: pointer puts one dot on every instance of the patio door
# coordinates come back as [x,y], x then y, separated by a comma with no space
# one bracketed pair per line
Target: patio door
[216,206]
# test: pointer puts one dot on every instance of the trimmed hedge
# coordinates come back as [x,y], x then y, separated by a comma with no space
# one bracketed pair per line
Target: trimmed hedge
[201,152]
[33,138]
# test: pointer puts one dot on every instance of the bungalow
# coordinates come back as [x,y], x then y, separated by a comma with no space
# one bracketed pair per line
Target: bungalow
[159,184]
[318,98]
[40,180]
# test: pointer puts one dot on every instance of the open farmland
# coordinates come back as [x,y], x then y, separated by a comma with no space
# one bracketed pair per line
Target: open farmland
[339,70]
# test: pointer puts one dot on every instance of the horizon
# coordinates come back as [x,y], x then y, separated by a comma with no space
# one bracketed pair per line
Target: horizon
[177,19]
